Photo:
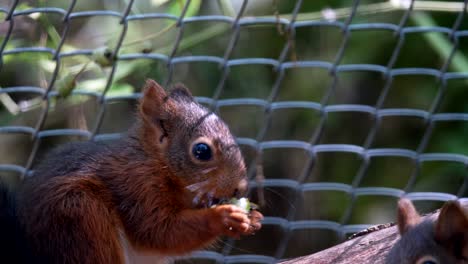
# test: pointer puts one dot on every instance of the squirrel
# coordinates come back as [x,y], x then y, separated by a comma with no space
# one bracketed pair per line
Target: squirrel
[441,239]
[152,192]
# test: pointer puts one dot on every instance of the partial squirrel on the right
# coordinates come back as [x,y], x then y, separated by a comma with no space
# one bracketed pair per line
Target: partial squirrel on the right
[441,239]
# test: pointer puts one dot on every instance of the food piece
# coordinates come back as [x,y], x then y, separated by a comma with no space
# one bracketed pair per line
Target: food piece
[244,203]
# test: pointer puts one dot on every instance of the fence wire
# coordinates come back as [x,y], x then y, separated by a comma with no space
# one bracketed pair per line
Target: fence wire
[284,229]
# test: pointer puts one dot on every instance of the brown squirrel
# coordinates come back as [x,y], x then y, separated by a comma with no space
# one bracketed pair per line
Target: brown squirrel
[150,192]
[431,241]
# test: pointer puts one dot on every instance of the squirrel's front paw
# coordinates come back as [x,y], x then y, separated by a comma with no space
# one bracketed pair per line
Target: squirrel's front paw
[235,221]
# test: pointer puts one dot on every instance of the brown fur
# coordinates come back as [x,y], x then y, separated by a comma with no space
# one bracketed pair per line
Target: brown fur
[69,212]
[74,213]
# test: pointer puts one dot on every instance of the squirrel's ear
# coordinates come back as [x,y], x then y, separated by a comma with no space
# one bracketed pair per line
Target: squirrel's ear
[155,110]
[152,100]
[180,92]
[451,229]
[407,215]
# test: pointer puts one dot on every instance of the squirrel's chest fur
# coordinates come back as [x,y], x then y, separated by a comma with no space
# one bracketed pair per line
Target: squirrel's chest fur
[132,256]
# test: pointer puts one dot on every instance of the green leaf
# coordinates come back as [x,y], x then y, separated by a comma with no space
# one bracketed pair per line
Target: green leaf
[119,89]
[23,6]
[95,85]
[103,56]
[98,85]
[176,7]
[66,85]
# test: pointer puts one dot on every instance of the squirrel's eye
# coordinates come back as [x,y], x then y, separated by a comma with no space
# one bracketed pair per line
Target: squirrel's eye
[427,260]
[201,151]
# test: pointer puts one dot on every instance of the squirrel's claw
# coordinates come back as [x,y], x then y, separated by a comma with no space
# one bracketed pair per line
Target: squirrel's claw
[255,221]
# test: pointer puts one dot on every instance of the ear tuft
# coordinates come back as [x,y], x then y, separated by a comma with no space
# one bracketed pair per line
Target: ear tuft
[451,229]
[180,92]
[407,215]
[154,96]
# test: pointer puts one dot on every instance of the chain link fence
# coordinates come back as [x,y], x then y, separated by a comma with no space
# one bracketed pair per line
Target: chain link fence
[340,110]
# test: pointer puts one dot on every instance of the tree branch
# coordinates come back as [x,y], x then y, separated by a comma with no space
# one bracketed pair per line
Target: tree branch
[370,248]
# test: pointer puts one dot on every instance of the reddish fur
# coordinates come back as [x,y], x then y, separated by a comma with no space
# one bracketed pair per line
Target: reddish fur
[74,209]
[77,218]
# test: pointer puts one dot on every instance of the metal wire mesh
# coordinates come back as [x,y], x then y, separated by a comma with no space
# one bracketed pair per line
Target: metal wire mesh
[283,228]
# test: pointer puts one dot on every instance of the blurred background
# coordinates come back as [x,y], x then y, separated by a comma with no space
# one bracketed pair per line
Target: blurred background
[340,106]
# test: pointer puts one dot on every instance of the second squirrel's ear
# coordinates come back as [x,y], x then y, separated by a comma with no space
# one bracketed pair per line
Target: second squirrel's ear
[407,216]
[451,229]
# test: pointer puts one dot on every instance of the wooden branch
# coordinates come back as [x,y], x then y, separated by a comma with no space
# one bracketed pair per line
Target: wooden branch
[372,247]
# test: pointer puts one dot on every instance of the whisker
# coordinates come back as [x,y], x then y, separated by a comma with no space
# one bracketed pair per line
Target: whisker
[283,197]
[206,171]
[244,251]
[196,200]
[211,193]
[196,186]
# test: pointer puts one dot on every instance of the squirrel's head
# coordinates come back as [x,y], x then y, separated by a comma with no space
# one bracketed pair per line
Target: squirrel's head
[193,144]
[435,240]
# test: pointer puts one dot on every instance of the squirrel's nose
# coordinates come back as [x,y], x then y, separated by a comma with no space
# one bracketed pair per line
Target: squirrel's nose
[241,188]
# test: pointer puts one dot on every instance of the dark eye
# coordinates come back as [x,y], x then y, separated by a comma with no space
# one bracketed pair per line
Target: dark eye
[201,151]
[427,260]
